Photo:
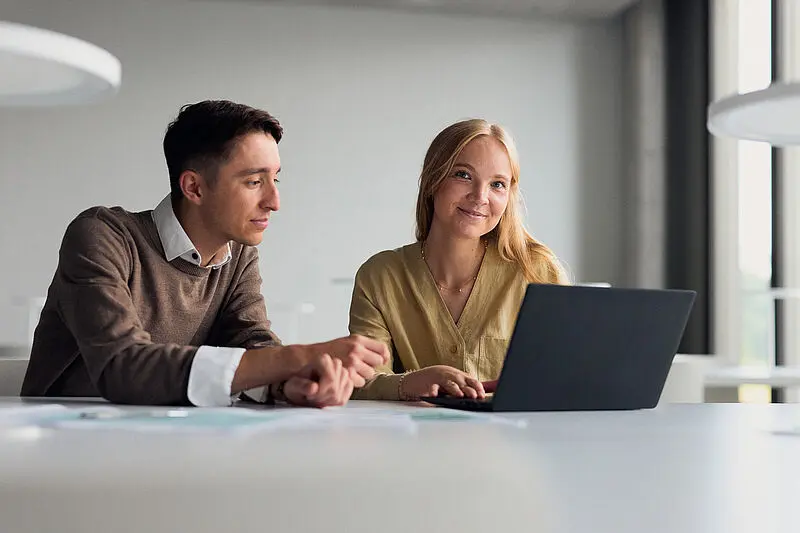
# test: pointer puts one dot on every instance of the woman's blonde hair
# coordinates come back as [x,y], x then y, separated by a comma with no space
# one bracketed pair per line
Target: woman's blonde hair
[538,263]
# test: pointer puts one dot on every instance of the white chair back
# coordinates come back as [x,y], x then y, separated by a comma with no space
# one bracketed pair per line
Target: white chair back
[13,364]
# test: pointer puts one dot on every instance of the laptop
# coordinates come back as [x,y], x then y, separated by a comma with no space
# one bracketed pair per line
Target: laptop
[579,348]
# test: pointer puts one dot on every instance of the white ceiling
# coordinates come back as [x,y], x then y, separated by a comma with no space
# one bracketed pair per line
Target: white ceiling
[504,8]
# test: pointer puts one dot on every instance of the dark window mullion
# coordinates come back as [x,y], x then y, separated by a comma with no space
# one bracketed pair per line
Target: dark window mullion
[777,215]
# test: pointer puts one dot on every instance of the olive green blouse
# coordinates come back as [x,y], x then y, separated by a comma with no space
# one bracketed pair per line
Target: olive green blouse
[395,300]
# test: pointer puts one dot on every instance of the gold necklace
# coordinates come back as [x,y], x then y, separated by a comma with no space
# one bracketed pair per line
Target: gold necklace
[458,289]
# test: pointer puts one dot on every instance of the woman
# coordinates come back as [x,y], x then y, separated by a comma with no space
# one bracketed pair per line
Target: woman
[446,305]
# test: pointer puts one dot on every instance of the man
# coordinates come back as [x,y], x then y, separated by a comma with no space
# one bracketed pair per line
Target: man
[164,307]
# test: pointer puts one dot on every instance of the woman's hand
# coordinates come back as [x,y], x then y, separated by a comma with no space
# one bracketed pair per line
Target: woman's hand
[490,386]
[440,379]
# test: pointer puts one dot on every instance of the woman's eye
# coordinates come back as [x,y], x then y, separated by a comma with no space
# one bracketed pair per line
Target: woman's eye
[462,174]
[499,185]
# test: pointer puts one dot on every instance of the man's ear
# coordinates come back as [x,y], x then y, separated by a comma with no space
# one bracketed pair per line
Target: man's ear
[192,185]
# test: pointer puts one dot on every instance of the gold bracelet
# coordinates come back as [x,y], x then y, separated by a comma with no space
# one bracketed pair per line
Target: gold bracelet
[400,393]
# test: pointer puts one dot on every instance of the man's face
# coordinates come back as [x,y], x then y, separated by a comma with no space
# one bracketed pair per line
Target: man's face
[244,194]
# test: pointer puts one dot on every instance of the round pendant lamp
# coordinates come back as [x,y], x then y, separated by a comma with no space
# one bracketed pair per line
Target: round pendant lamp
[40,67]
[771,115]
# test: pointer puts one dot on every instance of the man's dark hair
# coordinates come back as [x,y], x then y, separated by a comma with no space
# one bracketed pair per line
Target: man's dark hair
[204,134]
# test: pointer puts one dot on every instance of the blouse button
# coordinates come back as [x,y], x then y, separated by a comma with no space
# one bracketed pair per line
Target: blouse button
[453,348]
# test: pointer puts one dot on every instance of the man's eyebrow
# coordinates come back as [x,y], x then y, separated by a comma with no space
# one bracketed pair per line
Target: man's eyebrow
[251,171]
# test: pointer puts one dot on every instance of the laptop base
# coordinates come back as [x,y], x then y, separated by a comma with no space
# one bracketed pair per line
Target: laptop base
[465,404]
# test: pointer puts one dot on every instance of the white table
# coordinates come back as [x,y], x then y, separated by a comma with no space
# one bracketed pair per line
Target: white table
[677,468]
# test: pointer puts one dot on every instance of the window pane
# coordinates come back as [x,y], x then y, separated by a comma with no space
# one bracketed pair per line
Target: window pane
[755,201]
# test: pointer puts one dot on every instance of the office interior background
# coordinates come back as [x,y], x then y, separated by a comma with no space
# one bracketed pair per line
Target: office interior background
[606,100]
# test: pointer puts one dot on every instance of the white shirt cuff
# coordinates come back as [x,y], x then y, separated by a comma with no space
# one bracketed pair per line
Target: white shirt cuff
[211,375]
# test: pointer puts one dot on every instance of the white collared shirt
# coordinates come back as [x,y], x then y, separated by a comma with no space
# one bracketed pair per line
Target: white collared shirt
[213,367]
[174,239]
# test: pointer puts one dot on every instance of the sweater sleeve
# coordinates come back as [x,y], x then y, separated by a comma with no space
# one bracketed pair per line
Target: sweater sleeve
[95,263]
[366,319]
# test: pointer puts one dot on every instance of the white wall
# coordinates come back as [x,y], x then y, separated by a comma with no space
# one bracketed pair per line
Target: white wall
[360,92]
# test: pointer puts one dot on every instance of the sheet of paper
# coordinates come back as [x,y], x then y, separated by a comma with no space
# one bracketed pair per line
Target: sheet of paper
[227,420]
[441,414]
[230,420]
[15,415]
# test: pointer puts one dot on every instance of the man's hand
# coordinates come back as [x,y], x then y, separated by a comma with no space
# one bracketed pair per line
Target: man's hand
[272,364]
[432,380]
[359,355]
[322,383]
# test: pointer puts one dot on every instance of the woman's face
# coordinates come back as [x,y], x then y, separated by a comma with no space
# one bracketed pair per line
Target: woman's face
[473,197]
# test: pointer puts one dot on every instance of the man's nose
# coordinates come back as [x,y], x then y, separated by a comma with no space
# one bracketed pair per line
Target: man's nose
[272,198]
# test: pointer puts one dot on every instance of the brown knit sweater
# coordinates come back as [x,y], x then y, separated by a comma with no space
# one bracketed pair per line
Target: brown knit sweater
[123,323]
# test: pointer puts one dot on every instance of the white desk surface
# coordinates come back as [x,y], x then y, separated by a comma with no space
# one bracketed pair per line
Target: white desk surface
[678,468]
